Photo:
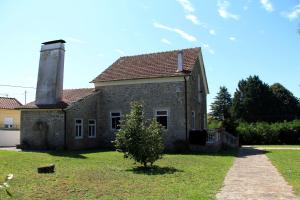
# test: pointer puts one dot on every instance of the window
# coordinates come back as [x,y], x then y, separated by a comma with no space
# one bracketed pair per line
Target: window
[162,117]
[78,128]
[193,120]
[92,128]
[8,122]
[115,120]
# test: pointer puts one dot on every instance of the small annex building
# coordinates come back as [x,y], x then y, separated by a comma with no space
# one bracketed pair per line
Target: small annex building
[172,87]
[9,115]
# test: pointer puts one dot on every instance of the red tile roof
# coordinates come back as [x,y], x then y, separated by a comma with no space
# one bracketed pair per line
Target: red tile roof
[70,96]
[9,103]
[162,64]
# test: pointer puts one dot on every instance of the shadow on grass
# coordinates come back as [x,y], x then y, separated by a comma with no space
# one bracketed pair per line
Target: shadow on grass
[154,170]
[250,151]
[225,152]
[78,154]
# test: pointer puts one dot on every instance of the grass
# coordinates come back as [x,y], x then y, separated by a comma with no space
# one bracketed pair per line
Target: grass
[276,146]
[288,164]
[107,175]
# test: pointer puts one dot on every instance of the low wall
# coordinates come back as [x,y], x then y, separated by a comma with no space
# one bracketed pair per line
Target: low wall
[9,138]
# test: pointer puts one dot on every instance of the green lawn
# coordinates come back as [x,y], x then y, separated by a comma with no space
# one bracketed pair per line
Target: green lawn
[276,146]
[106,175]
[288,164]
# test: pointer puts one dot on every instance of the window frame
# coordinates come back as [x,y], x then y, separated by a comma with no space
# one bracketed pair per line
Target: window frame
[111,119]
[167,115]
[81,127]
[92,125]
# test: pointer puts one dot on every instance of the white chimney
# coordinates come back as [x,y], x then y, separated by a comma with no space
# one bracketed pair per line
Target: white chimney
[180,61]
[51,72]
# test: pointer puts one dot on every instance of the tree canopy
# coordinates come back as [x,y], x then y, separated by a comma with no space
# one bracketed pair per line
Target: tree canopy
[253,101]
[220,108]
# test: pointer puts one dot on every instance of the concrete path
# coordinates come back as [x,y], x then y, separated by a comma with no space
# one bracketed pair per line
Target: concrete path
[10,149]
[253,177]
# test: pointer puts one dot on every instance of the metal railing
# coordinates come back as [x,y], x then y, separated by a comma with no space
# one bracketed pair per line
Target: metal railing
[221,137]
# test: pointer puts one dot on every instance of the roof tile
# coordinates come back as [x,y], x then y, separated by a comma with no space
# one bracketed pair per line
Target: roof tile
[9,103]
[162,64]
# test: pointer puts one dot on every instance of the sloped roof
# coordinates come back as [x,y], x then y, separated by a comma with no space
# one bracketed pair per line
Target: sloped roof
[70,96]
[9,103]
[153,65]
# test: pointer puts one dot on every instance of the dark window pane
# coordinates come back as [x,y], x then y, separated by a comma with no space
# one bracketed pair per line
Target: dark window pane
[91,121]
[78,121]
[163,120]
[115,122]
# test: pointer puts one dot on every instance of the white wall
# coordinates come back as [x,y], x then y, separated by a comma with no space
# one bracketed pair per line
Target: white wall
[9,138]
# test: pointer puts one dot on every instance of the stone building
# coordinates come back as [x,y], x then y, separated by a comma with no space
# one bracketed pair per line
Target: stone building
[171,85]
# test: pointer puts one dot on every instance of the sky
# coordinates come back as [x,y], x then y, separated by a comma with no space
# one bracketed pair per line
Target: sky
[238,38]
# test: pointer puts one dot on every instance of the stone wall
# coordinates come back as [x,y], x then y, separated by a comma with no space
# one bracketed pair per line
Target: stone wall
[199,108]
[169,96]
[86,109]
[42,129]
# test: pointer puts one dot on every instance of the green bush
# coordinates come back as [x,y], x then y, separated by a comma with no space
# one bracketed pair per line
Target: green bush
[142,143]
[269,133]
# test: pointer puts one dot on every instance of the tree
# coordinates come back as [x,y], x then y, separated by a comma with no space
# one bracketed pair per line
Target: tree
[286,104]
[220,108]
[137,141]
[253,101]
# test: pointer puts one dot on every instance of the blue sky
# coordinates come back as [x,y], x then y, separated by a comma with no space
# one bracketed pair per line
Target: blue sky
[238,38]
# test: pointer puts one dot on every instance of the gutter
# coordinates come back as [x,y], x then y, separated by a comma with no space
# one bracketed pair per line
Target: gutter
[185,109]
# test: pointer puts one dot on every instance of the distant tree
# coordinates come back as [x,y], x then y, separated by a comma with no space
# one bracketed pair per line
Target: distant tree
[142,143]
[253,101]
[220,108]
[286,104]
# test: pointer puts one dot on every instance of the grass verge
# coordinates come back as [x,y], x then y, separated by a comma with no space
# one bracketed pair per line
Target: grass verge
[288,164]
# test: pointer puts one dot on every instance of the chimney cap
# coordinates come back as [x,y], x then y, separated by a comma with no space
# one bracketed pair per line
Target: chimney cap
[54,41]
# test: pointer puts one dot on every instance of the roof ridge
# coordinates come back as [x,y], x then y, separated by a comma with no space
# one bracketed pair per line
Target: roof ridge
[160,52]
[8,98]
[79,88]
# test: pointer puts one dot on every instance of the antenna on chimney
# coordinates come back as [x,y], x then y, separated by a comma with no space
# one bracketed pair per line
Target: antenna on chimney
[180,61]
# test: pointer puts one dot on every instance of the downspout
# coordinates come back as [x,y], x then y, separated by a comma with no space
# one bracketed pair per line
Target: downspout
[65,129]
[185,109]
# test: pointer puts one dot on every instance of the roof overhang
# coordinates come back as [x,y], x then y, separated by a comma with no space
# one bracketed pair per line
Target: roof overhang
[140,81]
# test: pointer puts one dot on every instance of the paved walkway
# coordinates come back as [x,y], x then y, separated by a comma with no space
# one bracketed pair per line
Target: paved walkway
[10,148]
[253,177]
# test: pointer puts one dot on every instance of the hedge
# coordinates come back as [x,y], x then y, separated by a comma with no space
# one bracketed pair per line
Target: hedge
[269,133]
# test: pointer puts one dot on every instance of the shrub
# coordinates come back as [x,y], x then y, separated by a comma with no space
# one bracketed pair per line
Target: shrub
[269,133]
[136,141]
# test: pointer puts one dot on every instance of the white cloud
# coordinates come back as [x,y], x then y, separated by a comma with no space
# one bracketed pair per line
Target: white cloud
[267,5]
[212,32]
[292,14]
[120,51]
[186,5]
[75,40]
[180,32]
[232,38]
[223,10]
[208,48]
[192,18]
[165,41]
